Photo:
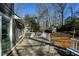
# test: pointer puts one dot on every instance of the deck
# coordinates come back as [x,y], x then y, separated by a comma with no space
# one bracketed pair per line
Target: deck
[32,47]
[40,46]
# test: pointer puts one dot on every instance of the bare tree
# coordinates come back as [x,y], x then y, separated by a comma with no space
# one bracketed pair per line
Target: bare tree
[72,11]
[60,8]
[43,13]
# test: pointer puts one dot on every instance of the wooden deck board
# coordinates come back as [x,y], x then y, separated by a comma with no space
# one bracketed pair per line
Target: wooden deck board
[33,48]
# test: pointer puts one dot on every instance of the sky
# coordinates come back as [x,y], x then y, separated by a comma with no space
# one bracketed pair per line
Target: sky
[23,9]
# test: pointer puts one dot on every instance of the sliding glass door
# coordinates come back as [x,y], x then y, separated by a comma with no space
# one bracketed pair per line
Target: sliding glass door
[5,36]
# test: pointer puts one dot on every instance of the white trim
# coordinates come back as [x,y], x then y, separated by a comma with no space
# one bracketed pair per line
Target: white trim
[11,33]
[75,39]
[16,17]
[4,16]
[0,35]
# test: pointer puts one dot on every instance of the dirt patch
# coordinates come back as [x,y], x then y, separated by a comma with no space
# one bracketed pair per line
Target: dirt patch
[61,39]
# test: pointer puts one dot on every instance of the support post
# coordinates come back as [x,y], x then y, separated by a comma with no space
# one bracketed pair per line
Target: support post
[11,33]
[0,35]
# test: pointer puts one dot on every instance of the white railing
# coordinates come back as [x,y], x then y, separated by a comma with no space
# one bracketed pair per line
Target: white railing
[75,44]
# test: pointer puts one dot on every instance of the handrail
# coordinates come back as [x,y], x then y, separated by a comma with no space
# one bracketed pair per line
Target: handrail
[15,46]
[74,46]
[74,39]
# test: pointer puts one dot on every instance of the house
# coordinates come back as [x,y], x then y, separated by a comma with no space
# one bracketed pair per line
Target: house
[72,19]
[71,22]
[11,27]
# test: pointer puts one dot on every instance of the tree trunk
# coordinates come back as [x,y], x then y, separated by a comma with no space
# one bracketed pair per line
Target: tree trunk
[74,32]
[62,17]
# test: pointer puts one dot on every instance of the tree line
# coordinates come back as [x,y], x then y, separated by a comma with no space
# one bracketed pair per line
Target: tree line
[55,13]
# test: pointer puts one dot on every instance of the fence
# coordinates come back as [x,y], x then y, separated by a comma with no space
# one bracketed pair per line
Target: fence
[74,46]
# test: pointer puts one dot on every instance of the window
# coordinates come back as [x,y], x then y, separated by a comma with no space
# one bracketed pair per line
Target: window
[5,36]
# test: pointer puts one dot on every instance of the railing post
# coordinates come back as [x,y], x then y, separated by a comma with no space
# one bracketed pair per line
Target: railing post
[73,44]
[76,45]
[0,35]
[49,41]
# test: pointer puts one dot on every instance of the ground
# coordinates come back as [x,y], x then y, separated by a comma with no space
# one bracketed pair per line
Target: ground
[61,39]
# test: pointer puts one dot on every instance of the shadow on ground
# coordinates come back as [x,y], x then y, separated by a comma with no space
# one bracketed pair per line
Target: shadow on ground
[33,47]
